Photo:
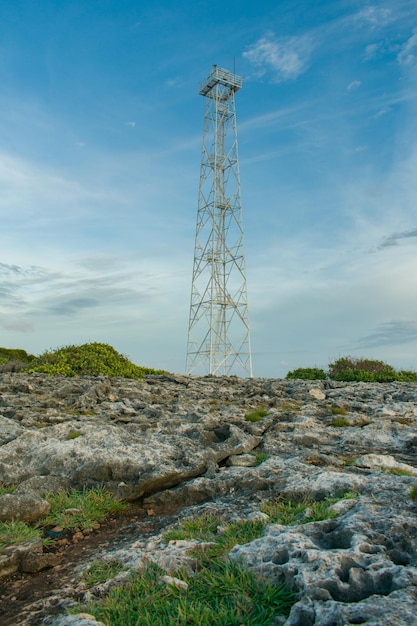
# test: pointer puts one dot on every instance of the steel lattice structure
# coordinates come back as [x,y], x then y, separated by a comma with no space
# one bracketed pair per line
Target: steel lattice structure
[218,332]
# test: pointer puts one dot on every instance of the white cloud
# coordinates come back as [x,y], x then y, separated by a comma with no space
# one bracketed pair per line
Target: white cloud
[376,16]
[131,124]
[408,53]
[372,51]
[354,85]
[286,58]
[382,112]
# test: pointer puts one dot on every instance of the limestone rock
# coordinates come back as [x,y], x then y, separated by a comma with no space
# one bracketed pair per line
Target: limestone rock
[24,507]
[182,443]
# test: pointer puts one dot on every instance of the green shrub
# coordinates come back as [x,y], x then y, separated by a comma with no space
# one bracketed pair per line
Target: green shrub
[407,376]
[89,359]
[361,370]
[14,359]
[308,373]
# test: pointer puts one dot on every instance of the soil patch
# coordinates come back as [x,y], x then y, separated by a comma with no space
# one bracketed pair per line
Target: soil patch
[24,597]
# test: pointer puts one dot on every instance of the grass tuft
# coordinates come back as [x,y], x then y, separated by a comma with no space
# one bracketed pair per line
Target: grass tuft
[291,511]
[223,593]
[101,571]
[80,509]
[17,532]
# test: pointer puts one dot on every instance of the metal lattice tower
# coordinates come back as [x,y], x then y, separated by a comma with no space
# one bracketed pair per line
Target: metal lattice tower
[218,332]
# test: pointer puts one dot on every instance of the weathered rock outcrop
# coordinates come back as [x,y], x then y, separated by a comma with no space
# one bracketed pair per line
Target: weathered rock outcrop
[176,441]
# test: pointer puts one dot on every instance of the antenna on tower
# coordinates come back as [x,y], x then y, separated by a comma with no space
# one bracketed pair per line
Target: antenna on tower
[218,331]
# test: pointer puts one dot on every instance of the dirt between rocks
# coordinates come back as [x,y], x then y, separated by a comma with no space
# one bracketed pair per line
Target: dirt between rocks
[26,599]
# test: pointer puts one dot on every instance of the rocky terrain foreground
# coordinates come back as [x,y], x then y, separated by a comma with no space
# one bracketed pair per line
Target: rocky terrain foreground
[182,445]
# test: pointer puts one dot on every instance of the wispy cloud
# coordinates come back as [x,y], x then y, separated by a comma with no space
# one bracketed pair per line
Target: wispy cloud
[354,85]
[408,53]
[285,57]
[372,50]
[375,16]
[390,333]
[396,238]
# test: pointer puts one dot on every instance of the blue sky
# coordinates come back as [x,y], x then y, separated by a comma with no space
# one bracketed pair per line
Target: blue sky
[100,142]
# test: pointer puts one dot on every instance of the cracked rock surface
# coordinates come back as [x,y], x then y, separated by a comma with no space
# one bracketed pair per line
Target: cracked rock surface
[180,442]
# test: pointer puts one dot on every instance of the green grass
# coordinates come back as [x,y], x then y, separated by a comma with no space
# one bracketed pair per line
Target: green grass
[291,511]
[413,493]
[222,594]
[256,416]
[100,571]
[73,434]
[397,471]
[340,422]
[6,489]
[17,532]
[80,509]
[202,528]
[69,510]
[260,457]
[337,410]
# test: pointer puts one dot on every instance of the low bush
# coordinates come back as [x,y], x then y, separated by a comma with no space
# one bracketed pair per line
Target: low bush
[350,369]
[89,359]
[15,360]
[308,373]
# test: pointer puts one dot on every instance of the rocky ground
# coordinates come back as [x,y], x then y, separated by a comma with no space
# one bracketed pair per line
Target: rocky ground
[176,446]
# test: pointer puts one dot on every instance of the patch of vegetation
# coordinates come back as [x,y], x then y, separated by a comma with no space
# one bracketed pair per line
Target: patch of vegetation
[340,422]
[260,457]
[17,532]
[219,592]
[413,493]
[209,528]
[82,509]
[203,528]
[350,369]
[6,489]
[73,434]
[337,410]
[307,373]
[100,571]
[223,593]
[290,511]
[361,370]
[256,416]
[14,359]
[290,407]
[89,359]
[398,471]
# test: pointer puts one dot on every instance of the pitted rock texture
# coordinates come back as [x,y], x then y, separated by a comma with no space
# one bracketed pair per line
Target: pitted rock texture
[176,441]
